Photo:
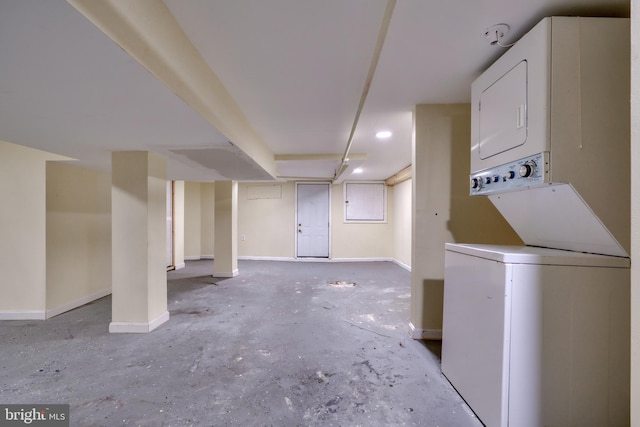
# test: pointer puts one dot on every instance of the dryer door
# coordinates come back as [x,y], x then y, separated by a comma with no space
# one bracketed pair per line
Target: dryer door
[503,113]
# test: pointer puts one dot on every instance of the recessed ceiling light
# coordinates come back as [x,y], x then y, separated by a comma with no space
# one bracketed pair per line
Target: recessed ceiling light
[357,170]
[383,134]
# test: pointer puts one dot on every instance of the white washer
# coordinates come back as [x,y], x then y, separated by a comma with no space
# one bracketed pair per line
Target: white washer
[537,337]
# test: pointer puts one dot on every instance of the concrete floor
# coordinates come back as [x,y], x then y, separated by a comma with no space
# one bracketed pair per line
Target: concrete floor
[277,345]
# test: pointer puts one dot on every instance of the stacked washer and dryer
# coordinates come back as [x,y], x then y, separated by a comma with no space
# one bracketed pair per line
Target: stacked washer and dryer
[539,335]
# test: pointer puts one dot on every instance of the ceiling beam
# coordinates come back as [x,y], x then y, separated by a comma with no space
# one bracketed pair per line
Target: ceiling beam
[148,32]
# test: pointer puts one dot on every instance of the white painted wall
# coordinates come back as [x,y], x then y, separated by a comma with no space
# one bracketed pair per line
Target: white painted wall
[266,220]
[401,202]
[23,231]
[207,219]
[78,236]
[178,224]
[355,240]
[192,221]
[157,236]
[199,219]
[442,209]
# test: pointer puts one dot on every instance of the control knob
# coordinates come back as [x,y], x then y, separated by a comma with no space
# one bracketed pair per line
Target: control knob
[475,183]
[527,169]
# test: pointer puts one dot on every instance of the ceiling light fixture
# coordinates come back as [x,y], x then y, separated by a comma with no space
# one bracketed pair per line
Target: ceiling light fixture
[357,170]
[383,134]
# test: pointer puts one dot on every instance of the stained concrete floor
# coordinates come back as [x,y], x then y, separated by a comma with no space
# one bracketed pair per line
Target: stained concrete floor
[277,345]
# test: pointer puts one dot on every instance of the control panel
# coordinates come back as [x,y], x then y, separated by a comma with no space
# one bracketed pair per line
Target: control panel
[520,174]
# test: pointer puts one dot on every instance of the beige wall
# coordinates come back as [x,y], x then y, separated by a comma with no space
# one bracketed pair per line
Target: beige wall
[157,235]
[266,220]
[635,213]
[78,236]
[178,224]
[199,219]
[353,240]
[401,202]
[23,231]
[192,221]
[207,219]
[442,210]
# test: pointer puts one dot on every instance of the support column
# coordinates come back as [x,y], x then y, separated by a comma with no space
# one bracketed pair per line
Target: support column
[226,229]
[442,210]
[138,200]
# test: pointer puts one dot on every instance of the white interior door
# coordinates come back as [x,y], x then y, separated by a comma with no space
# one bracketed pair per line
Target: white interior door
[313,220]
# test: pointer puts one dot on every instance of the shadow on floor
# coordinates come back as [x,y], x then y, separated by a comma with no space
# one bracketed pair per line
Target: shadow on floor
[435,347]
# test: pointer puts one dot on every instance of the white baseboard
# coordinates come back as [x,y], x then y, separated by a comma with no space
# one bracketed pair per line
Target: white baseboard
[361,259]
[233,273]
[138,327]
[401,264]
[22,315]
[179,266]
[424,334]
[207,257]
[313,259]
[76,303]
[266,258]
[304,259]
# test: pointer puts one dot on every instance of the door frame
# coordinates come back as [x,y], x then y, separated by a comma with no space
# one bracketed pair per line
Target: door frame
[295,224]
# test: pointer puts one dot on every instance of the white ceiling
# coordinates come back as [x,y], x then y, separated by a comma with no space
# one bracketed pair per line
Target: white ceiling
[295,68]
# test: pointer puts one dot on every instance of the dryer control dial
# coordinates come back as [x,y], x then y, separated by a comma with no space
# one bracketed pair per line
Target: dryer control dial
[527,169]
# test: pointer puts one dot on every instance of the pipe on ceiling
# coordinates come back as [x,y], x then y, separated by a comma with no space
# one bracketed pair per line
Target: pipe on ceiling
[382,34]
